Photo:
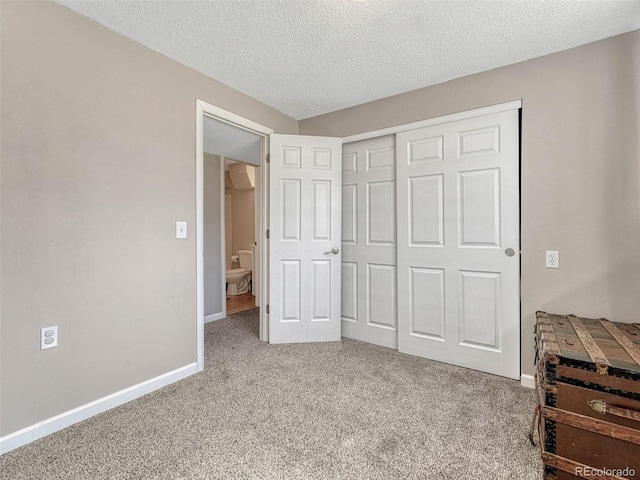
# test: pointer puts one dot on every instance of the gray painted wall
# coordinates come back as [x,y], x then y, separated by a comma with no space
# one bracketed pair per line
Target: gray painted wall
[98,163]
[580,170]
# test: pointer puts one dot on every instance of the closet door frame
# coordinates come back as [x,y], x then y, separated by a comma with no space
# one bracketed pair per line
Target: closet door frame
[500,107]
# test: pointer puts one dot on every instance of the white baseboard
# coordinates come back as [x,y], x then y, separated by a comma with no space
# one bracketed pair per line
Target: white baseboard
[527,381]
[213,317]
[66,419]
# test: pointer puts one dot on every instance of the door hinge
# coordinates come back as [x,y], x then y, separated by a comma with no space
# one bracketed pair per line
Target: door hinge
[268,158]
[267,308]
[267,233]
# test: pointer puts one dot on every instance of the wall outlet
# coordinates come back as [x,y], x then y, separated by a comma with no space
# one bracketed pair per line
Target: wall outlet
[48,337]
[553,260]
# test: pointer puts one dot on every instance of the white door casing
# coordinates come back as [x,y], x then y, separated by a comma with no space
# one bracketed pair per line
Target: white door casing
[305,231]
[369,241]
[202,109]
[458,216]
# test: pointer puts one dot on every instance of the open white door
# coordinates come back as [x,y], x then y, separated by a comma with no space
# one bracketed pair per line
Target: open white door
[305,208]
[458,243]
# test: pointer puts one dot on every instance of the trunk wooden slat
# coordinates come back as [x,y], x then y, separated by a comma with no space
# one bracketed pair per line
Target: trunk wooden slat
[588,384]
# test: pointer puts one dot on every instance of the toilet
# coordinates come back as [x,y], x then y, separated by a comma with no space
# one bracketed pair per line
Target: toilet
[238,278]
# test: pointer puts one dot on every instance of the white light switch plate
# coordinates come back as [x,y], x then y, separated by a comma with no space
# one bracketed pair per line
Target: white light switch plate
[181,229]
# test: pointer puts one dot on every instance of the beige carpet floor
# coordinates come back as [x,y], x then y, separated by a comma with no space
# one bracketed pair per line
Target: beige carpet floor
[343,410]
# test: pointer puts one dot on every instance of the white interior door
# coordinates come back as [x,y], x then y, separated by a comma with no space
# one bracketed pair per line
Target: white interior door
[369,241]
[305,234]
[458,243]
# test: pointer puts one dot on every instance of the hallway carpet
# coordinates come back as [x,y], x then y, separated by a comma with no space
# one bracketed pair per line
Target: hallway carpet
[343,410]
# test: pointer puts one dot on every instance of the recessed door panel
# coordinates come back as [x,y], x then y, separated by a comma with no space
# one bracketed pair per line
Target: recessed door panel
[480,141]
[479,199]
[322,158]
[381,292]
[426,150]
[321,209]
[291,157]
[426,210]
[480,310]
[291,222]
[350,291]
[381,158]
[349,214]
[349,162]
[427,303]
[381,213]
[290,278]
[321,290]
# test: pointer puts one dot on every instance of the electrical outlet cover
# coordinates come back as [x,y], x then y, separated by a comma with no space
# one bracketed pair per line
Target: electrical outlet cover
[552,259]
[48,337]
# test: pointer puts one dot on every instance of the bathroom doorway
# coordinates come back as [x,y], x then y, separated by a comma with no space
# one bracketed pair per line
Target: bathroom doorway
[231,201]
[240,234]
[218,129]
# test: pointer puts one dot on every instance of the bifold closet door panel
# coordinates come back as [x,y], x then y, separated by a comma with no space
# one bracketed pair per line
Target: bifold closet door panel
[458,243]
[369,289]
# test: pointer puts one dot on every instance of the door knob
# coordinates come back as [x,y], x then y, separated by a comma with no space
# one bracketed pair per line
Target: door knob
[334,250]
[509,252]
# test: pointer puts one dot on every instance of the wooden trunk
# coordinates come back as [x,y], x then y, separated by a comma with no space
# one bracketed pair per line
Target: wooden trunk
[588,385]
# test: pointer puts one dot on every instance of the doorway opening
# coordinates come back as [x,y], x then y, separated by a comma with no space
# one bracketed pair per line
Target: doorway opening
[240,235]
[222,135]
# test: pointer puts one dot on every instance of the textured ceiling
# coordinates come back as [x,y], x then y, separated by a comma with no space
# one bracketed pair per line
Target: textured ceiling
[308,57]
[222,139]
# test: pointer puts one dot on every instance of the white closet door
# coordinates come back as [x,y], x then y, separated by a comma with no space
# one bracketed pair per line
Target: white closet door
[369,241]
[304,246]
[458,243]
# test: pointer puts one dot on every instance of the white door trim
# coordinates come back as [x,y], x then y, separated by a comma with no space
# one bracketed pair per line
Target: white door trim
[223,241]
[500,107]
[203,108]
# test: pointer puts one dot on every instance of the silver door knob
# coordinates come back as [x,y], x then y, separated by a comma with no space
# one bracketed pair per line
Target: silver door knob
[334,250]
[509,252]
